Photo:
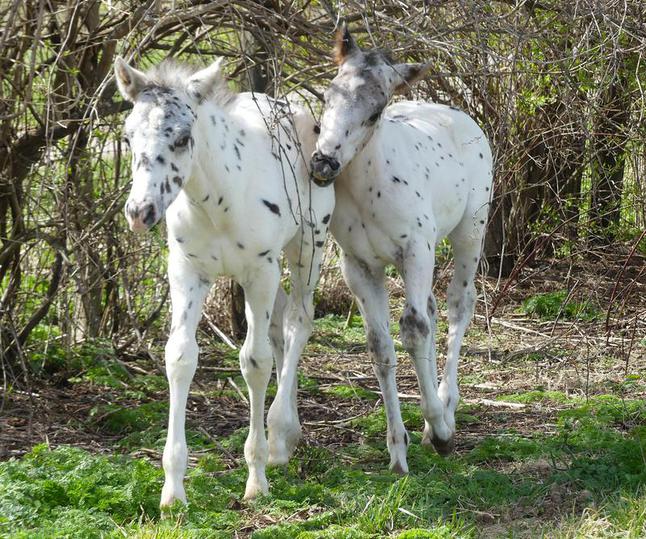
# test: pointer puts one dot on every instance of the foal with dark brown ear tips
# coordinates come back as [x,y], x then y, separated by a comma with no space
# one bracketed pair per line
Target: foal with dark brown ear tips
[410,73]
[407,175]
[345,44]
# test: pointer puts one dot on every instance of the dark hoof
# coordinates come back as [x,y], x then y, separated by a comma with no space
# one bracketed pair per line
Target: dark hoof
[398,469]
[444,447]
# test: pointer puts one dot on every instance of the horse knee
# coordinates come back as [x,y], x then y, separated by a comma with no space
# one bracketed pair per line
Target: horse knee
[414,327]
[181,356]
[461,300]
[256,364]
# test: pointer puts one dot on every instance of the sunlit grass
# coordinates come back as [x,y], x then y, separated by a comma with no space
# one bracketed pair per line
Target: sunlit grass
[598,450]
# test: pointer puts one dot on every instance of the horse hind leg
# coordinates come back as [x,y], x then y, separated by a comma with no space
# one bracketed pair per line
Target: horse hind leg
[304,257]
[461,297]
[367,285]
[276,337]
[417,325]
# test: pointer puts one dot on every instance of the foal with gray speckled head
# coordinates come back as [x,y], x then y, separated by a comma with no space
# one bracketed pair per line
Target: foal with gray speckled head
[228,171]
[407,176]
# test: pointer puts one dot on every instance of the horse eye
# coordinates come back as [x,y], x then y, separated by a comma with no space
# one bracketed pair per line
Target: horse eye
[182,141]
[374,117]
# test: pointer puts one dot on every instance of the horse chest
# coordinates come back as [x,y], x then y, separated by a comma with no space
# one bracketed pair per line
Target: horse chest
[221,239]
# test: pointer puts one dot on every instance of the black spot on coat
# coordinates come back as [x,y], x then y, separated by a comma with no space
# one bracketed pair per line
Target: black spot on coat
[272,207]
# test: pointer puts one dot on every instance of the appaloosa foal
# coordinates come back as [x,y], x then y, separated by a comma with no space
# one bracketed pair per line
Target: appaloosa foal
[229,172]
[407,175]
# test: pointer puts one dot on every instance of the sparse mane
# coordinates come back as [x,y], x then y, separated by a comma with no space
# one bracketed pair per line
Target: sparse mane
[374,56]
[173,74]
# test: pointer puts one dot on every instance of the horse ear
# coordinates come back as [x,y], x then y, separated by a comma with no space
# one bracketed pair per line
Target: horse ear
[345,44]
[409,74]
[129,80]
[207,82]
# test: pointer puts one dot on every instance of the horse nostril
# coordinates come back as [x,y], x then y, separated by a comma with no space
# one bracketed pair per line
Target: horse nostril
[334,164]
[148,214]
[132,211]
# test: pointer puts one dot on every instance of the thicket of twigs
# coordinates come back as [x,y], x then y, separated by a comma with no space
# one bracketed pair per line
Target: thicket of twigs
[558,87]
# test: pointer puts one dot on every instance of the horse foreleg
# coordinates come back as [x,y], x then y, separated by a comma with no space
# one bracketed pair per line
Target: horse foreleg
[256,364]
[283,422]
[187,296]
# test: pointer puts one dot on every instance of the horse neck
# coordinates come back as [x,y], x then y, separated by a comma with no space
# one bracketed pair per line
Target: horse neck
[212,170]
[369,151]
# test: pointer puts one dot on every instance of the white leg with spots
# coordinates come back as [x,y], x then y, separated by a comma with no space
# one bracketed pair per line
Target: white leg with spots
[461,296]
[367,285]
[256,364]
[187,297]
[276,337]
[416,327]
[283,422]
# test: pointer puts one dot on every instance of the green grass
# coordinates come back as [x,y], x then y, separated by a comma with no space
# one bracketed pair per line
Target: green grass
[598,449]
[343,391]
[553,305]
[584,477]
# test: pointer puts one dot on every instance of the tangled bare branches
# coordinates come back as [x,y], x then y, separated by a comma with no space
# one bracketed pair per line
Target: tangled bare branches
[558,87]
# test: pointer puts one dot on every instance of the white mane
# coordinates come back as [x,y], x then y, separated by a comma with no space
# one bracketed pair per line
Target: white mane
[173,74]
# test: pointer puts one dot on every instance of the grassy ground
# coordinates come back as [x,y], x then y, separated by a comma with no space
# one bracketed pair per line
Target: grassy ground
[551,442]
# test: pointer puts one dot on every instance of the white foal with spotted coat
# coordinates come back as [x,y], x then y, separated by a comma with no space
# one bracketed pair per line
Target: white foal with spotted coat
[407,176]
[228,171]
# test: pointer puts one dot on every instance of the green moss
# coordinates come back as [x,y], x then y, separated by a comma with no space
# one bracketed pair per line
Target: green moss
[530,397]
[343,391]
[439,532]
[330,334]
[553,305]
[510,447]
[337,532]
[119,419]
[307,384]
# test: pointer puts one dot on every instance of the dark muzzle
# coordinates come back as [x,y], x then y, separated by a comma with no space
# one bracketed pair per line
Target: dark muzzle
[141,216]
[324,169]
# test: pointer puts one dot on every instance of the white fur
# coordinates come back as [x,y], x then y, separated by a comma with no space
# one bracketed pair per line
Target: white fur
[245,158]
[421,173]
